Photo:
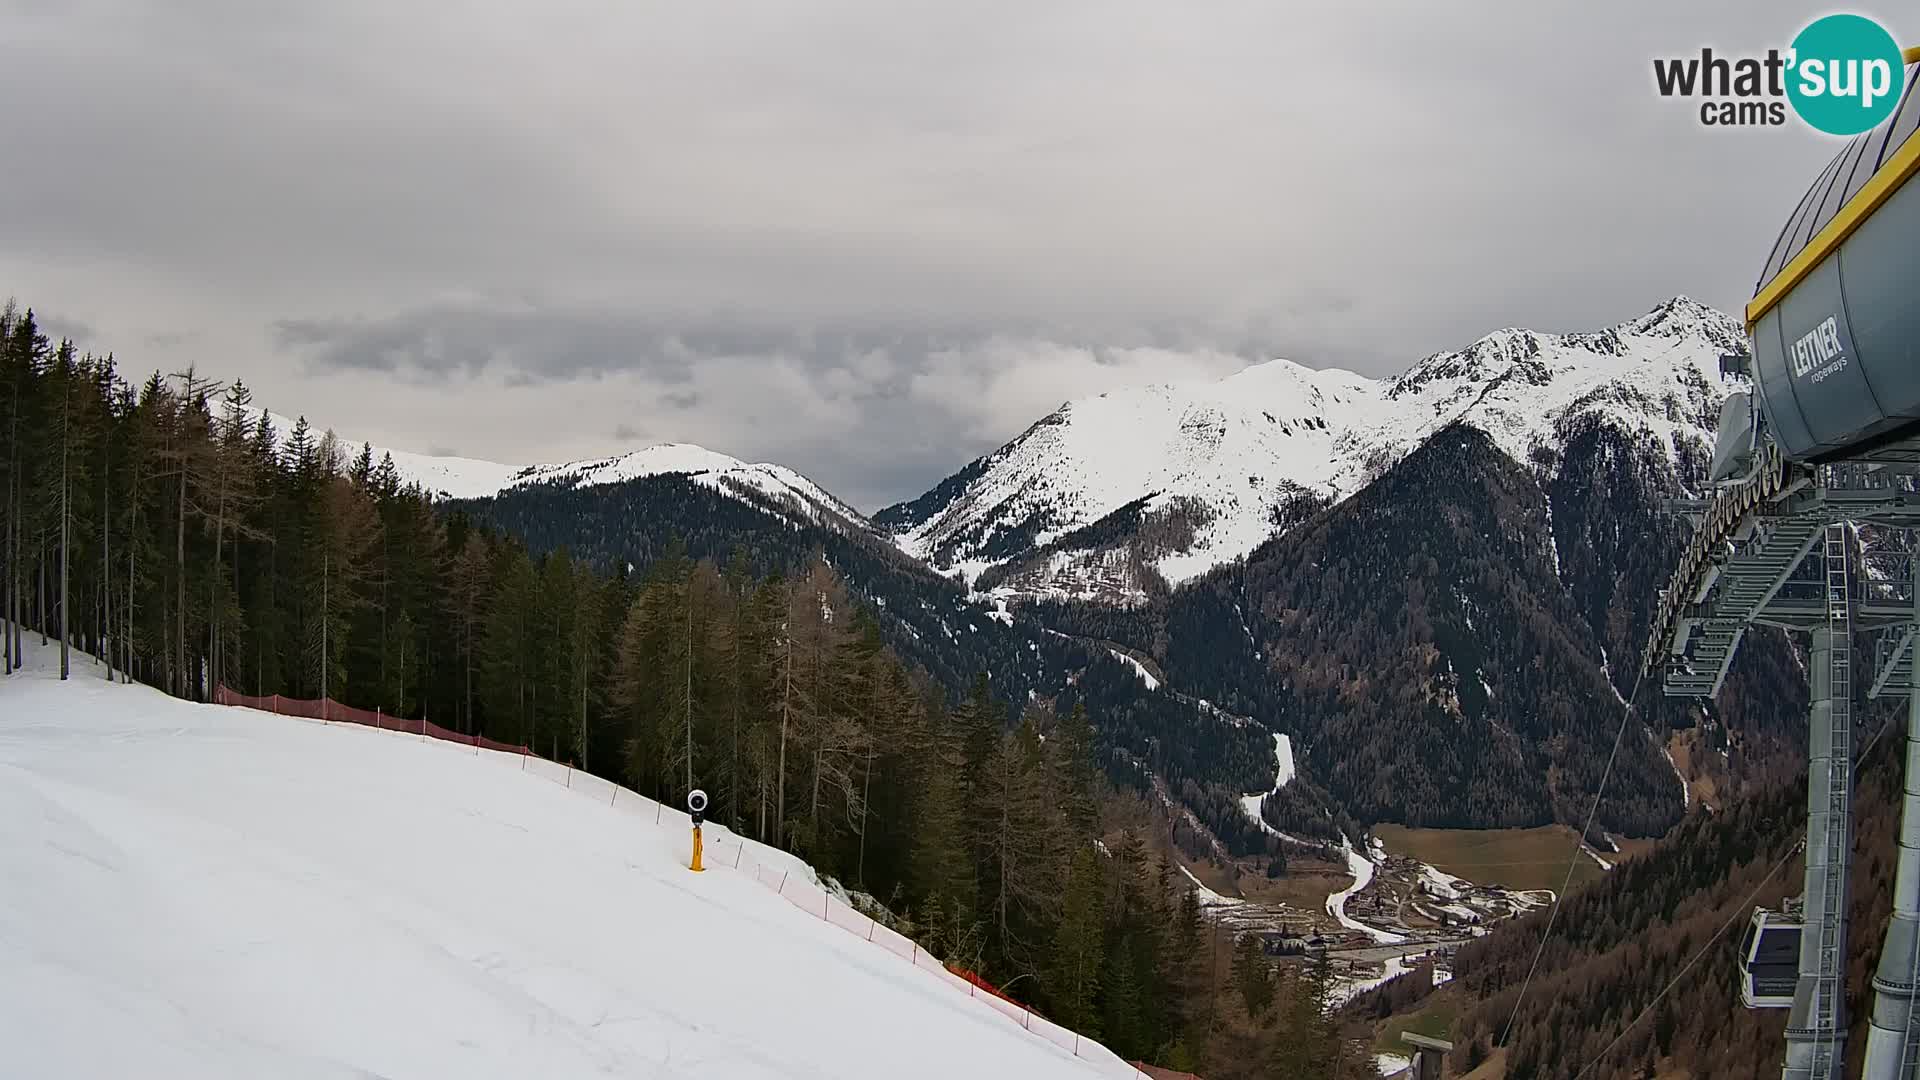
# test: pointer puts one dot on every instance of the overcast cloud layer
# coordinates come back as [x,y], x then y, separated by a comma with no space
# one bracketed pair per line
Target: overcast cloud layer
[870,240]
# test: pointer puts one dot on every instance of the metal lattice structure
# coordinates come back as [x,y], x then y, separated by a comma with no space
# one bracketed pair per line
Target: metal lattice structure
[1817,1027]
[1781,548]
[1828,438]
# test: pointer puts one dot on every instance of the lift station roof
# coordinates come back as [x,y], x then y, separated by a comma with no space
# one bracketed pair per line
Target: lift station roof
[1835,318]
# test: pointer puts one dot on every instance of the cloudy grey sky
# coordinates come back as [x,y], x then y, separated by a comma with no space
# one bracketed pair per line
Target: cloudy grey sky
[870,239]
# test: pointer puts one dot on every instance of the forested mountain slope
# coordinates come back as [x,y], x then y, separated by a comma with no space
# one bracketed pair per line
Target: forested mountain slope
[1621,941]
[1451,646]
[928,619]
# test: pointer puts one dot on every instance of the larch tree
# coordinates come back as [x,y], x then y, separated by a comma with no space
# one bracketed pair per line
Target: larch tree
[344,534]
[471,585]
[1022,844]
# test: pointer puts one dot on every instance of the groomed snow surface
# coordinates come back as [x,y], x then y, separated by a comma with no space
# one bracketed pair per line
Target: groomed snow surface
[199,891]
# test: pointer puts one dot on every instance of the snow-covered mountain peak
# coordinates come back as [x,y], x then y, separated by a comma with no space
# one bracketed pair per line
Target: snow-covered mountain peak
[1205,472]
[452,477]
[785,487]
[1684,318]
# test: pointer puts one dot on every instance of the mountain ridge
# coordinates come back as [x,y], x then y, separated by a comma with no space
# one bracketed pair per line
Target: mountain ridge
[1222,463]
[1587,433]
[451,477]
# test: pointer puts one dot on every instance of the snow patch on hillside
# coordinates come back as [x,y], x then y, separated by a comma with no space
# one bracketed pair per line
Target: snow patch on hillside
[1440,884]
[1347,988]
[1209,898]
[1686,792]
[1283,772]
[1139,669]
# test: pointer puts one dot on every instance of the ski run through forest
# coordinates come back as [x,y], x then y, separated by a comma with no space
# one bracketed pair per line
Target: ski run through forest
[168,527]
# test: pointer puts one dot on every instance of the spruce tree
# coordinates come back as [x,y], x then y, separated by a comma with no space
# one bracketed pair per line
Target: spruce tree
[1079,953]
[1252,976]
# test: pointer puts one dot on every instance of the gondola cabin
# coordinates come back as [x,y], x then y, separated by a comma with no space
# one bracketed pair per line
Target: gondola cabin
[1769,960]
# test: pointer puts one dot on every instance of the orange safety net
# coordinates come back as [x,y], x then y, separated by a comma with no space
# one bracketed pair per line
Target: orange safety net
[332,711]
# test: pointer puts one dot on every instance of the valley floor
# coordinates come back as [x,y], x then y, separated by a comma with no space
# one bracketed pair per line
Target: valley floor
[197,891]
[1523,859]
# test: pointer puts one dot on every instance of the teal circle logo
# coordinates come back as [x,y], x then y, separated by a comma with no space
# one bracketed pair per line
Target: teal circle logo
[1845,75]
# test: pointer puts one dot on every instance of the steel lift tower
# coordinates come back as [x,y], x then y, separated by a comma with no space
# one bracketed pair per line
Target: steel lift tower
[1827,442]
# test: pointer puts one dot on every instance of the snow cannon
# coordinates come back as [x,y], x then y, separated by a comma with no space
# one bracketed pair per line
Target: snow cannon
[1834,324]
[697,809]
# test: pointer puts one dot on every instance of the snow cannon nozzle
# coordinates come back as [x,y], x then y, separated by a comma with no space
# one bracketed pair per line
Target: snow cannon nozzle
[696,806]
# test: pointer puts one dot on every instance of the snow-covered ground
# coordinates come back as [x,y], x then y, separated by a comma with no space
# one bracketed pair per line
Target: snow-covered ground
[1686,792]
[1443,885]
[1209,898]
[1139,668]
[1345,989]
[1283,772]
[197,891]
[1388,1064]
[1361,868]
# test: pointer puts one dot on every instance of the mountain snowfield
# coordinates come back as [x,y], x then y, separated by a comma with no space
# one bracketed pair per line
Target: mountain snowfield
[774,486]
[718,471]
[1221,463]
[199,891]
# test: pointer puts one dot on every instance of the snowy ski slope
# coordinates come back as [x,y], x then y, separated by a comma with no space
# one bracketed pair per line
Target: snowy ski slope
[198,891]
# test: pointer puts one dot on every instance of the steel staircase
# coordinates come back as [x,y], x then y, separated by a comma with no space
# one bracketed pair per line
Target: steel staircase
[1829,923]
[1750,575]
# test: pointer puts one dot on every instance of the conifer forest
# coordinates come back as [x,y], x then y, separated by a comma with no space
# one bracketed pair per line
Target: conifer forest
[161,528]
